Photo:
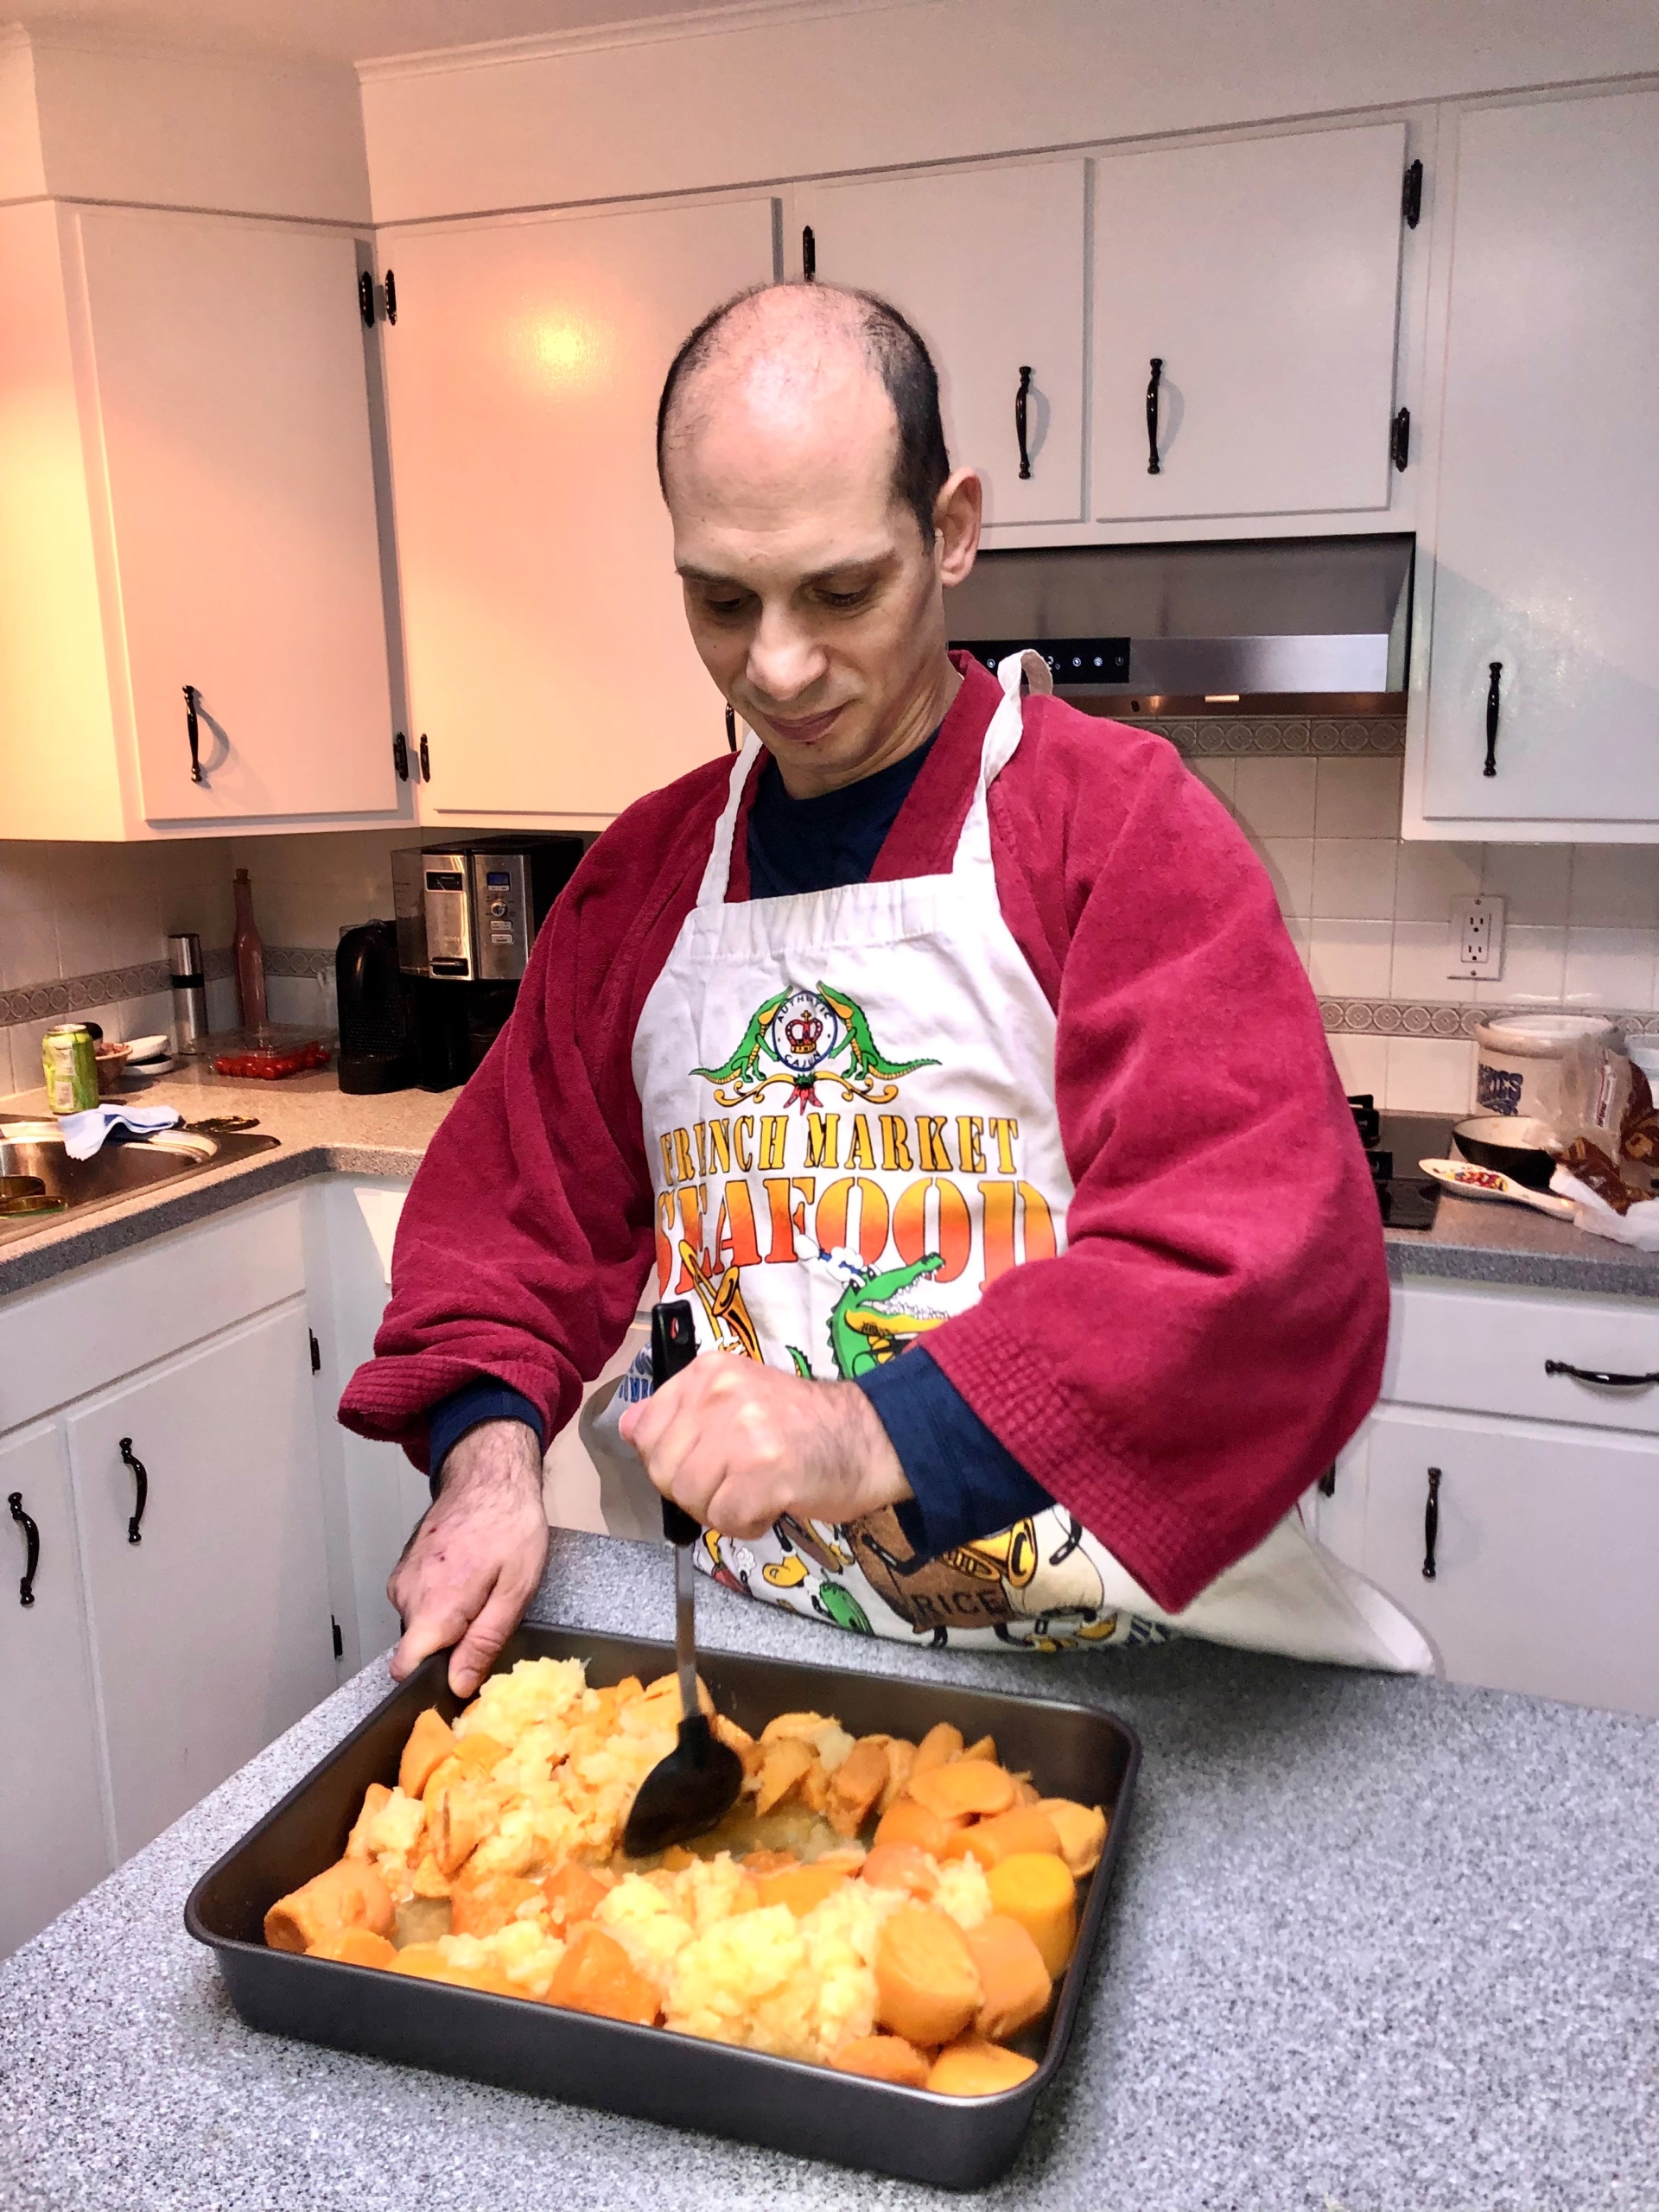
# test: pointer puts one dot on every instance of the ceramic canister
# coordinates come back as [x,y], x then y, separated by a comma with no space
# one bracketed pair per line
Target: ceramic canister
[1520,1054]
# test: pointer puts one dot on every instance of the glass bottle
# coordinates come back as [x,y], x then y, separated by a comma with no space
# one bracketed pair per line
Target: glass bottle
[249,953]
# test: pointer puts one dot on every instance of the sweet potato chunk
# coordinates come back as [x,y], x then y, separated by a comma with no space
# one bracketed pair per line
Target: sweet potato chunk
[1014,1984]
[900,1866]
[801,1888]
[856,1784]
[481,1905]
[596,1975]
[941,1744]
[967,1787]
[883,2058]
[974,2068]
[574,1893]
[427,1963]
[907,1821]
[1037,1890]
[479,1753]
[793,1727]
[901,1760]
[1082,1831]
[355,1947]
[788,1760]
[431,1740]
[349,1894]
[984,1748]
[1022,1828]
[458,1817]
[926,1983]
[376,1798]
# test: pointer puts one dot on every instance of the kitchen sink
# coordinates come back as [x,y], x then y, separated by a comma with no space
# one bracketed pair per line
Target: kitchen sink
[32,1153]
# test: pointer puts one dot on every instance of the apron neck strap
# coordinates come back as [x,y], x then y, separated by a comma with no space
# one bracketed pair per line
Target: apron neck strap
[717,871]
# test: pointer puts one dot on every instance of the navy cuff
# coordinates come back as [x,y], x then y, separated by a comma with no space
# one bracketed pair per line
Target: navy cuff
[468,1408]
[967,1484]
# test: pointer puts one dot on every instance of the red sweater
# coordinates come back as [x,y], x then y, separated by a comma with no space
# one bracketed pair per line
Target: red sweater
[1214,1332]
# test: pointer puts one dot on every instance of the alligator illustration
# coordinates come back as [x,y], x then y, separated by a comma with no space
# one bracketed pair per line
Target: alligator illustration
[864,1062]
[743,1069]
[868,1326]
[828,1039]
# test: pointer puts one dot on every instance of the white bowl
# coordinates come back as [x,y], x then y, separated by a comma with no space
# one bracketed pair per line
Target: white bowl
[147,1048]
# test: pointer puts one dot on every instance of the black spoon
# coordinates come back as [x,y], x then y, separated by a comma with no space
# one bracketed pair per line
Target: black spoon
[687,1793]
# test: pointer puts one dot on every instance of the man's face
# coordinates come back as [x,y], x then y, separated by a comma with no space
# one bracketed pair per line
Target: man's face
[812,598]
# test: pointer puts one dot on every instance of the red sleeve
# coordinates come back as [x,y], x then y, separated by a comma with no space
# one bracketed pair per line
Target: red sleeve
[1215,1331]
[527,1235]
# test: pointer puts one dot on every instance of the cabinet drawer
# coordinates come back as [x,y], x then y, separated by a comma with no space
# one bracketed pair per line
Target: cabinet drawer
[1485,1352]
[59,1343]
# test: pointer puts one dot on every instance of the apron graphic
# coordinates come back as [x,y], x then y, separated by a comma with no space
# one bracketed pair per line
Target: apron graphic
[848,1099]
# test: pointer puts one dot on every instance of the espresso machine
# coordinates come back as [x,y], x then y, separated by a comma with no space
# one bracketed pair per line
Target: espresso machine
[467,913]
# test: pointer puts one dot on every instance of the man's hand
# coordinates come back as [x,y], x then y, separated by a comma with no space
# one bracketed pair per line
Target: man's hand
[472,1564]
[736,1445]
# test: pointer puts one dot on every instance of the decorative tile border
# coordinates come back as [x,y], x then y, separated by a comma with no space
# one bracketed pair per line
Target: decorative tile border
[104,986]
[1420,1018]
[1309,736]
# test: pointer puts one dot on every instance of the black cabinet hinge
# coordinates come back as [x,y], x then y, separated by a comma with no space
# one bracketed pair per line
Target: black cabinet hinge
[400,755]
[1400,438]
[316,1351]
[340,1641]
[366,297]
[1411,199]
[389,286]
[426,759]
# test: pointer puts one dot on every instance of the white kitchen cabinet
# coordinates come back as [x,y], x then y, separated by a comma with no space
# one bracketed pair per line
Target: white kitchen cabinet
[1545,533]
[1543,1556]
[185,432]
[211,1633]
[551,675]
[1263,275]
[989,265]
[53,1840]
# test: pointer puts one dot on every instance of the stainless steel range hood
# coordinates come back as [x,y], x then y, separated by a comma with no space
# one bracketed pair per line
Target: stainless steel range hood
[1256,625]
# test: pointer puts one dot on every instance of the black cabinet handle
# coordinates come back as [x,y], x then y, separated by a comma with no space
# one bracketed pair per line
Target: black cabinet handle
[1495,668]
[400,755]
[1431,1523]
[1019,399]
[142,1481]
[366,298]
[32,1547]
[809,255]
[389,287]
[426,759]
[1400,439]
[192,708]
[1607,1381]
[1155,467]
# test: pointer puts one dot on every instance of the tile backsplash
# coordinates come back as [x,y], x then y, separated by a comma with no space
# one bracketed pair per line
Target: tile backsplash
[1370,914]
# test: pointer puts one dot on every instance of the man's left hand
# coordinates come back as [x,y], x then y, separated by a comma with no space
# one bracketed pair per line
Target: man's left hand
[737,1445]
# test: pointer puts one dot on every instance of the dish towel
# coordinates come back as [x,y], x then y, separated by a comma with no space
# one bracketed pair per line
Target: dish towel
[83,1134]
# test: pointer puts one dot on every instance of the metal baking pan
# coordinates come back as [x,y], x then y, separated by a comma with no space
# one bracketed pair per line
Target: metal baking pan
[650,2073]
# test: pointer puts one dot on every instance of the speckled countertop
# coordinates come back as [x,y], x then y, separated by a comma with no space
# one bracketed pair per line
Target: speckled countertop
[323,1132]
[1378,1943]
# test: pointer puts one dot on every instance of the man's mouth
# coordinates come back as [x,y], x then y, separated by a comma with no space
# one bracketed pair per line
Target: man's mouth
[806,729]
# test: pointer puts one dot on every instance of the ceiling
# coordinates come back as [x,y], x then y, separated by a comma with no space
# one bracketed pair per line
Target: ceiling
[340,30]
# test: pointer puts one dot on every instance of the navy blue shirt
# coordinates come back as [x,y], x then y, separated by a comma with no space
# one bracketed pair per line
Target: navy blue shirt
[966,1483]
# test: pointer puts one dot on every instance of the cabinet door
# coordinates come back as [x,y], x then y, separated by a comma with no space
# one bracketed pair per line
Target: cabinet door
[1544,1558]
[1264,275]
[989,265]
[52,1842]
[233,405]
[211,1635]
[550,669]
[1547,538]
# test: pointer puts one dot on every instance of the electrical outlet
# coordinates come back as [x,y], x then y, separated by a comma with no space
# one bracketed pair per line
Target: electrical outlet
[1478,938]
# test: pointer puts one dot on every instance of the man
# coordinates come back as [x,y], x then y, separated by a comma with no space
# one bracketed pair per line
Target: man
[951,1056]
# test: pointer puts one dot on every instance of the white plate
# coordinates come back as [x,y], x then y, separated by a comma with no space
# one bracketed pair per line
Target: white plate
[147,1048]
[149,1067]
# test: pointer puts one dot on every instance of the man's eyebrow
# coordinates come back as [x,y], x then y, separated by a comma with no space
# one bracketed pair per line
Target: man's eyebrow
[692,575]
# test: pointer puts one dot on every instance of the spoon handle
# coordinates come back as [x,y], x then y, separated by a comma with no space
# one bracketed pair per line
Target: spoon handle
[673,1347]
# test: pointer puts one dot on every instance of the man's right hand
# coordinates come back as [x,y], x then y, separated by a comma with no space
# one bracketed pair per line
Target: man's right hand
[472,1564]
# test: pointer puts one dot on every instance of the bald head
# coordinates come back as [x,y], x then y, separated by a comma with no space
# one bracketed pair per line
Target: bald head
[788,359]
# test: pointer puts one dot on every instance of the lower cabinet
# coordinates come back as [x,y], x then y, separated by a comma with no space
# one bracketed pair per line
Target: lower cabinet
[211,1631]
[53,1843]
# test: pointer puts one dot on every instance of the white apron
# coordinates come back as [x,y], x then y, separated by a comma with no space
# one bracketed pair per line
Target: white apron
[848,1103]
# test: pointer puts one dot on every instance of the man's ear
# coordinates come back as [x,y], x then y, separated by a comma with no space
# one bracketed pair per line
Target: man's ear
[956,515]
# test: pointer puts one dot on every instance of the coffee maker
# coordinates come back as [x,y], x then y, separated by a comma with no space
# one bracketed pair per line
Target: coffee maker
[467,913]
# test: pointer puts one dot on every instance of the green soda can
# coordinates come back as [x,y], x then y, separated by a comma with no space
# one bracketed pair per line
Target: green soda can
[71,1068]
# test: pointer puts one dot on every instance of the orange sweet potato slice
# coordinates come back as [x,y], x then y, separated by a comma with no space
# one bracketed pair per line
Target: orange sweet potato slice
[907,1821]
[901,1760]
[900,1866]
[427,1963]
[355,1947]
[984,1748]
[941,1744]
[883,2058]
[1036,1889]
[1022,1828]
[349,1894]
[479,1906]
[376,1798]
[801,1888]
[431,1740]
[480,1753]
[1082,1831]
[966,1788]
[574,1893]
[596,1975]
[975,2069]
[926,1983]
[856,1784]
[1015,1985]
[786,1762]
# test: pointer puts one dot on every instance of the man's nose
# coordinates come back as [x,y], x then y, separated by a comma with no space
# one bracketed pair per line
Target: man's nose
[783,660]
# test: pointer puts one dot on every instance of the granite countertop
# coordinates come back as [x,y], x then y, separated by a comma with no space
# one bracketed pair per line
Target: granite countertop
[321,1131]
[1380,1944]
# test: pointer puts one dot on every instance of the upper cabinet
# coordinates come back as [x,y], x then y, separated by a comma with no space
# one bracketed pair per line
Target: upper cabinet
[989,265]
[1543,687]
[552,678]
[187,499]
[1245,303]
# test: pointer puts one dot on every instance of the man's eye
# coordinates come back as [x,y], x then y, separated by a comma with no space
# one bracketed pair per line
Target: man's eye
[726,608]
[845,598]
